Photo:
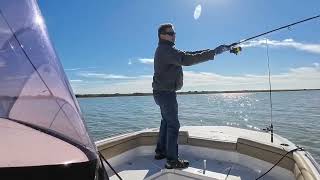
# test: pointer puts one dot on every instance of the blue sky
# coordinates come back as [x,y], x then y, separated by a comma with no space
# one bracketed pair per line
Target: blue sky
[108,46]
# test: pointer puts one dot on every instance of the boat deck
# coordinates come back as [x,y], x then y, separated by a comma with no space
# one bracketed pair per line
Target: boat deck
[221,163]
[146,167]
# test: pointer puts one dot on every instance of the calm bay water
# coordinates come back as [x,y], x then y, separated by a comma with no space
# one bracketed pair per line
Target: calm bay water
[296,114]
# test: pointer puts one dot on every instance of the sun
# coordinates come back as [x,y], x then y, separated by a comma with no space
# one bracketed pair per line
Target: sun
[197,12]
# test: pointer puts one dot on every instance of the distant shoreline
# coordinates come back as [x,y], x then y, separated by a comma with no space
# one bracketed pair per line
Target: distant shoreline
[188,92]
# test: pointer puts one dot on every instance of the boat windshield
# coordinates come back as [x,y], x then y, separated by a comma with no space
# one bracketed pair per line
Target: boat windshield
[34,89]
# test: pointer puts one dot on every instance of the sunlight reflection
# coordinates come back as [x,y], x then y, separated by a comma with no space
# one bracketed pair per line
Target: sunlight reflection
[68,162]
[234,95]
[38,20]
[230,97]
[197,12]
[237,107]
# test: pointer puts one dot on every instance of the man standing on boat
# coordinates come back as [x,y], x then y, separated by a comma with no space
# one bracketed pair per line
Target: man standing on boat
[167,79]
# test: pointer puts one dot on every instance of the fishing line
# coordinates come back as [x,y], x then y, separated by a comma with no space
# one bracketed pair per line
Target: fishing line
[236,50]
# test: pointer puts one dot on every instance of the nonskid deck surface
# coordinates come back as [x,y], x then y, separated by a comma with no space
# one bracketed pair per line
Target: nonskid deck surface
[146,166]
[223,161]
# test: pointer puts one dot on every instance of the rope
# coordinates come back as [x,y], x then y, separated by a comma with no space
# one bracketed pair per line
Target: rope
[100,156]
[298,148]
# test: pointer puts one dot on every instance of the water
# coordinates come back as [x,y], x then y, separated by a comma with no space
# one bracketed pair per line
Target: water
[296,114]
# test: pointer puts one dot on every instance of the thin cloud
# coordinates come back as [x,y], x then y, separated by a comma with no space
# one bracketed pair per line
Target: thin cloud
[140,83]
[10,78]
[5,31]
[72,69]
[130,62]
[103,76]
[76,80]
[197,12]
[146,60]
[289,43]
[2,63]
[295,78]
[77,69]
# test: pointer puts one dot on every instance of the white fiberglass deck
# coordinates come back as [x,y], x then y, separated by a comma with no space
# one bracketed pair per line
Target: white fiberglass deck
[138,163]
[231,134]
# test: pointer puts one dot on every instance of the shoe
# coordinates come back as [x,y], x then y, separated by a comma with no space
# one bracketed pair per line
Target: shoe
[177,164]
[159,156]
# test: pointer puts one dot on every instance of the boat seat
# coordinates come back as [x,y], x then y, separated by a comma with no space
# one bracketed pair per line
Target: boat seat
[123,143]
[213,144]
[120,144]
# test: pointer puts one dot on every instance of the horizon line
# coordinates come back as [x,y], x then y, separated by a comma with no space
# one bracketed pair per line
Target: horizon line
[187,92]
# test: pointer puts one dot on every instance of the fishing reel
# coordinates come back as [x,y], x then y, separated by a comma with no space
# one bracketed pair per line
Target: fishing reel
[235,50]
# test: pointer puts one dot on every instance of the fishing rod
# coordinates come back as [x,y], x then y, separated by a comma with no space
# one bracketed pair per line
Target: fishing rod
[236,50]
[270,97]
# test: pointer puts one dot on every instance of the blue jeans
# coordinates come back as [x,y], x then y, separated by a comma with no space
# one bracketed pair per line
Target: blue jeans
[169,130]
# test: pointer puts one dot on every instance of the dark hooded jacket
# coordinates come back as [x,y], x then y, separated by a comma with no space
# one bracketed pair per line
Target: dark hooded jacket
[168,62]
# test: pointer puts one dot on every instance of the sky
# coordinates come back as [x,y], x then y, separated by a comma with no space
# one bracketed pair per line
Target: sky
[107,46]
